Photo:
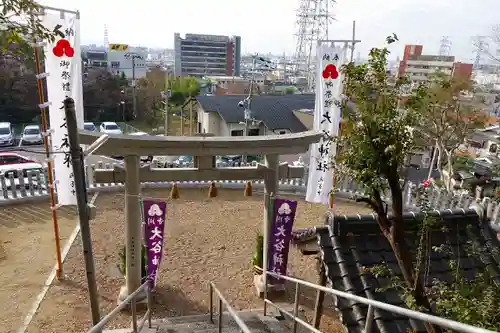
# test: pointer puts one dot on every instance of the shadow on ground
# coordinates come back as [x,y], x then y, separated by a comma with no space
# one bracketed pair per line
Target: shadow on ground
[37,213]
[171,302]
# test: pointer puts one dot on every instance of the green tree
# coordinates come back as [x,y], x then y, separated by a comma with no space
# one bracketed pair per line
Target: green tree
[182,88]
[375,148]
[447,119]
[290,90]
[102,96]
[18,24]
[150,98]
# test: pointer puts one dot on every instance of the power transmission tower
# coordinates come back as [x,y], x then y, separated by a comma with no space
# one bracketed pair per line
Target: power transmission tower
[313,20]
[481,47]
[445,46]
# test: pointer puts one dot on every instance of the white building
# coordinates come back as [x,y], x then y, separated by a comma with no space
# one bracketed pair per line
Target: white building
[132,65]
[420,67]
[226,81]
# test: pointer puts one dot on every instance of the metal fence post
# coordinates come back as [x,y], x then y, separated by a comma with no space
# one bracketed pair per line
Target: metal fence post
[211,303]
[220,315]
[150,304]
[76,153]
[133,305]
[296,307]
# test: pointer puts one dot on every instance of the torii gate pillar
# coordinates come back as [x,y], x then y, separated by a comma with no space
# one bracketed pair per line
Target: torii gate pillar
[133,229]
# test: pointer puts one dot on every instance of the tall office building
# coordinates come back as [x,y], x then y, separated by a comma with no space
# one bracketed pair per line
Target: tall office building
[201,55]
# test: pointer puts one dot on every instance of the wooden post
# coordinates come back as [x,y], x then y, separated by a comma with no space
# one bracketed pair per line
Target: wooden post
[320,295]
[191,118]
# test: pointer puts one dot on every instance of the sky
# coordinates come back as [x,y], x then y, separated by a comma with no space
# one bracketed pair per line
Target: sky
[269,25]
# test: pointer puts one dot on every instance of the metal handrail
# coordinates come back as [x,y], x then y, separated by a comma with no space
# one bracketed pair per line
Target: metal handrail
[243,327]
[442,322]
[136,326]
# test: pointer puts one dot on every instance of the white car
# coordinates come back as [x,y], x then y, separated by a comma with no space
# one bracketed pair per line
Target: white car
[7,136]
[88,126]
[110,127]
[32,135]
[13,166]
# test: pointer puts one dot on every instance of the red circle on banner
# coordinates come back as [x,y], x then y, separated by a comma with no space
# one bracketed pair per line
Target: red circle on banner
[330,71]
[63,47]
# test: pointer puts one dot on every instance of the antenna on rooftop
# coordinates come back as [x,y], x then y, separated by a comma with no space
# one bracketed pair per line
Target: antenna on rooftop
[106,37]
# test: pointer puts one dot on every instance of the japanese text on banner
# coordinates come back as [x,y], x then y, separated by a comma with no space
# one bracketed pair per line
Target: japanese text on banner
[279,239]
[63,66]
[154,213]
[327,115]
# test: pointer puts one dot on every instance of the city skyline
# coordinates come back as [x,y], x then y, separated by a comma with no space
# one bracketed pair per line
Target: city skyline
[269,26]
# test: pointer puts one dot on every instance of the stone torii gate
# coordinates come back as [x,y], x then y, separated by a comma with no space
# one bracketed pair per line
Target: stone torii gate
[203,149]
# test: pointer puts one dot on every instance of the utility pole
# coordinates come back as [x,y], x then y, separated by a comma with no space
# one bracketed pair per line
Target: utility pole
[166,94]
[247,103]
[76,153]
[122,103]
[133,56]
[134,95]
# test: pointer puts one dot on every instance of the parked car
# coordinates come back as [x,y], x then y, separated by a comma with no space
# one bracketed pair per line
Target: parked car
[7,136]
[163,161]
[88,126]
[183,162]
[231,160]
[110,127]
[32,135]
[15,166]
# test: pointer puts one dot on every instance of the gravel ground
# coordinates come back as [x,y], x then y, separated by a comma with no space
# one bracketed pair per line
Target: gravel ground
[207,240]
[27,256]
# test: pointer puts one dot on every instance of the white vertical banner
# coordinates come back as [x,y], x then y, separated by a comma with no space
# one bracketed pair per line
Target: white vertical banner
[63,64]
[327,115]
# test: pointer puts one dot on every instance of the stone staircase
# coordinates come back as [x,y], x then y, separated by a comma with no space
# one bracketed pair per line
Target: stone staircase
[274,322]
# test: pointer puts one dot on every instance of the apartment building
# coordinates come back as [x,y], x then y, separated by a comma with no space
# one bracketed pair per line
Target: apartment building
[207,55]
[419,67]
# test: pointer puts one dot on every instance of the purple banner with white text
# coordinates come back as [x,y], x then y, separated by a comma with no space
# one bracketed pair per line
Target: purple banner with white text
[154,212]
[280,236]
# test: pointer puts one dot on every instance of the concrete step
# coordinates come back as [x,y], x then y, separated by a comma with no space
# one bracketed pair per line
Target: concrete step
[254,319]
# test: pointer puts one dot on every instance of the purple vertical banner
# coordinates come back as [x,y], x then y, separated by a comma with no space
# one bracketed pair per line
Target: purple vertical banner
[154,212]
[280,236]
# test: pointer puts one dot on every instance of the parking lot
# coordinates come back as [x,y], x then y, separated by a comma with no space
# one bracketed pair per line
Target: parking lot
[37,153]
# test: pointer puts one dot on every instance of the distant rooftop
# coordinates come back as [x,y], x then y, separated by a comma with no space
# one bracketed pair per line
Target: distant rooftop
[276,112]
[202,37]
[424,57]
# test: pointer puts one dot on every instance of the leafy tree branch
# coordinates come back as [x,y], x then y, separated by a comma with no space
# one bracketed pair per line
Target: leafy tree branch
[374,150]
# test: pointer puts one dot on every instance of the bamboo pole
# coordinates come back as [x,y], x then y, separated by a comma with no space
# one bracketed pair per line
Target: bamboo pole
[55,224]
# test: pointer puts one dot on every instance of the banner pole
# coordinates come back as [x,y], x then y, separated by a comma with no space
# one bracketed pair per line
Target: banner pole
[331,201]
[50,170]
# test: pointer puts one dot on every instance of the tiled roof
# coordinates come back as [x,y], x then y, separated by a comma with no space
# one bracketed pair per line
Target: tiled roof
[275,111]
[353,243]
[418,175]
